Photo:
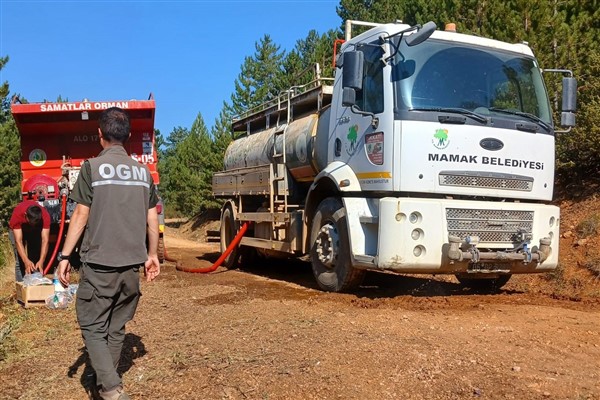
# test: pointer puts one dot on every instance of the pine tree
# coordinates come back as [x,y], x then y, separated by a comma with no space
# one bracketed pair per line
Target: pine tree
[221,137]
[563,34]
[10,152]
[299,64]
[260,78]
[576,45]
[381,11]
[359,10]
[159,142]
[203,144]
[167,166]
[187,170]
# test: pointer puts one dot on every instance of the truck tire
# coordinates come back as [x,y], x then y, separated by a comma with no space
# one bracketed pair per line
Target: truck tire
[161,249]
[229,229]
[484,285]
[330,249]
[248,257]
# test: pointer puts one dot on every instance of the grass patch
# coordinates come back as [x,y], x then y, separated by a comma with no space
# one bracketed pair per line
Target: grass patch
[589,226]
[13,318]
[593,265]
[179,361]
[557,275]
[6,253]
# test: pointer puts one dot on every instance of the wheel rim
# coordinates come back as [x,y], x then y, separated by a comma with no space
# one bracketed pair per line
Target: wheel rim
[226,232]
[327,245]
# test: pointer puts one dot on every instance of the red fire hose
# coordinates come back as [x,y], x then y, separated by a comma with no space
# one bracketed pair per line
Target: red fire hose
[232,245]
[166,255]
[60,232]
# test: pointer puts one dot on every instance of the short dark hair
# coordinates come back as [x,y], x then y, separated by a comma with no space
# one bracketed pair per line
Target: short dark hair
[34,215]
[114,124]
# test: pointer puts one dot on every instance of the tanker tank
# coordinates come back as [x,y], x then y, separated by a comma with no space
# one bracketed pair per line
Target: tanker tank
[302,159]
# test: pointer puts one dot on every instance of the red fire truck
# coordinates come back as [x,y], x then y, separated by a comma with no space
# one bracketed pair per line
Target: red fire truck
[55,140]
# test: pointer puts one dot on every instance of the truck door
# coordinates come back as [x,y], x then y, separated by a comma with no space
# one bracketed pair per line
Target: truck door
[364,132]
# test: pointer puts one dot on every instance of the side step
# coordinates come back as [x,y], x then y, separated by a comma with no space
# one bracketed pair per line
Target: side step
[213,236]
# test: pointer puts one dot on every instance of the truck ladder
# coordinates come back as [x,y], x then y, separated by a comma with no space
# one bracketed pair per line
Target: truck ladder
[278,195]
[279,199]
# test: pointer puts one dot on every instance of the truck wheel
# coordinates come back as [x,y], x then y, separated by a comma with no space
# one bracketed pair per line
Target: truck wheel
[229,229]
[161,249]
[486,285]
[248,257]
[330,249]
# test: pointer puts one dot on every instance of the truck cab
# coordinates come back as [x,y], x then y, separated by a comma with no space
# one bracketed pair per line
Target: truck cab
[451,140]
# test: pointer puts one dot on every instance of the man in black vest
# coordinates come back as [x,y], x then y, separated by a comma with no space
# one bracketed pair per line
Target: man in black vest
[116,207]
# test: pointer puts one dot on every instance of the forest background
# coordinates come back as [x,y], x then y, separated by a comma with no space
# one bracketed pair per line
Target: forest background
[563,34]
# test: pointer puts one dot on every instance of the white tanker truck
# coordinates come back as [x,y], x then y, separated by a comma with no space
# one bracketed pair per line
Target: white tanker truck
[431,152]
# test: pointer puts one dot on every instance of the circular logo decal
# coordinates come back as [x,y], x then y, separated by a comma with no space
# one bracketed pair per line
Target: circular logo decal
[37,157]
[440,139]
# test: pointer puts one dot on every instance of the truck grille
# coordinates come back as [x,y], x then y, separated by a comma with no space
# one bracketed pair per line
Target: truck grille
[486,180]
[492,226]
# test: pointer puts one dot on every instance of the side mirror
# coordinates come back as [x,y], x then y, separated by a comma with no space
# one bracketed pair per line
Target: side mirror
[422,34]
[352,75]
[569,102]
[339,61]
[569,98]
[348,97]
[569,89]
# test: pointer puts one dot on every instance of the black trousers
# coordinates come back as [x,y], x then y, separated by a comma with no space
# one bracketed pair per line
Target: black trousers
[32,242]
[107,299]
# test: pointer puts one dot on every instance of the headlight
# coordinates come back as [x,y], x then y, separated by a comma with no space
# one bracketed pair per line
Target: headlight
[419,251]
[414,217]
[416,234]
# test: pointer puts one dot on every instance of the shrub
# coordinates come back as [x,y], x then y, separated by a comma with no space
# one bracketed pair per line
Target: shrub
[589,226]
[593,265]
[5,251]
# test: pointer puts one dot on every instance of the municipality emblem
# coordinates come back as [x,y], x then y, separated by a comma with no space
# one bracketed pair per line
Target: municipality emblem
[352,138]
[440,139]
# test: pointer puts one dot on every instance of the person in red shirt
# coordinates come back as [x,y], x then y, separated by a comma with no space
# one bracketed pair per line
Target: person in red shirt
[29,234]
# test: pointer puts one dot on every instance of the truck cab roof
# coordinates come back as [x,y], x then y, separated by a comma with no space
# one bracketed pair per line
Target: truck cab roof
[390,29]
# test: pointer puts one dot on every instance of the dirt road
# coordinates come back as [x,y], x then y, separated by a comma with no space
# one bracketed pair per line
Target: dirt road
[267,333]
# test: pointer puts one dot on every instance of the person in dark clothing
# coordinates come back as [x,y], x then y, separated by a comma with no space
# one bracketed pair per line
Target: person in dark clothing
[29,234]
[115,211]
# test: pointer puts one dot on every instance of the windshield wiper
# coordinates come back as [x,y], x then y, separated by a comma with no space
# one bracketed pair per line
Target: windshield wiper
[529,116]
[454,110]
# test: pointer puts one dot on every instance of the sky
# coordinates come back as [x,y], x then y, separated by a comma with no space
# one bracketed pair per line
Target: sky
[188,54]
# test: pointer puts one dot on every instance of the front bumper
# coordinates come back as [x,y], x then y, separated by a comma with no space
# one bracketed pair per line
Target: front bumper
[432,236]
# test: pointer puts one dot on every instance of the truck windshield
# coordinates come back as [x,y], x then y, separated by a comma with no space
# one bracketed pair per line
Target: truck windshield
[449,75]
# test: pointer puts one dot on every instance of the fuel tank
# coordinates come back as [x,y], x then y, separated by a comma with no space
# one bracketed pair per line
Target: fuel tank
[303,159]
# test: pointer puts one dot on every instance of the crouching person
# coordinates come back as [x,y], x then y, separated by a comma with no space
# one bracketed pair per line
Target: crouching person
[29,235]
